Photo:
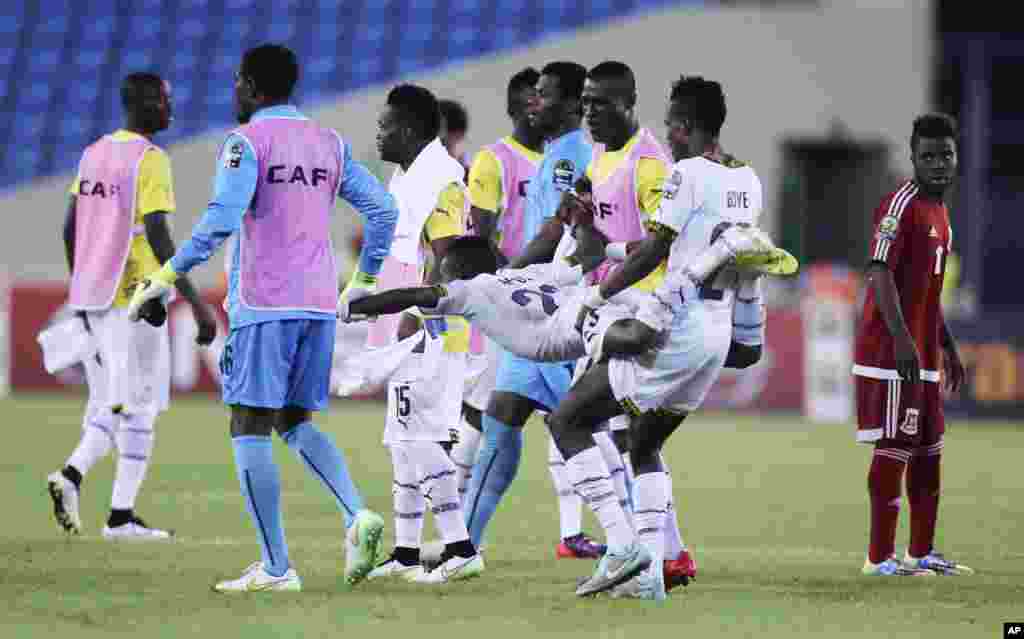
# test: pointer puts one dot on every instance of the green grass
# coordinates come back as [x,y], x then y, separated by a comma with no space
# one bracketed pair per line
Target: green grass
[774,508]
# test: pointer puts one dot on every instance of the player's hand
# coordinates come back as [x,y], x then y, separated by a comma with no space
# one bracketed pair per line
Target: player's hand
[361,285]
[908,361]
[593,301]
[156,285]
[575,208]
[207,323]
[953,367]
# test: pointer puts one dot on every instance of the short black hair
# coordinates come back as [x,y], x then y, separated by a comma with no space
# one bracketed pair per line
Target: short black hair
[474,255]
[418,108]
[614,70]
[455,116]
[135,86]
[570,78]
[527,78]
[933,125]
[705,101]
[273,70]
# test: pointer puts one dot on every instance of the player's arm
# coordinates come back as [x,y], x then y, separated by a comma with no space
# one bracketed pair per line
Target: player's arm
[887,296]
[542,247]
[485,193]
[951,362]
[378,209]
[69,233]
[886,254]
[397,300]
[641,261]
[590,247]
[155,199]
[234,187]
[444,226]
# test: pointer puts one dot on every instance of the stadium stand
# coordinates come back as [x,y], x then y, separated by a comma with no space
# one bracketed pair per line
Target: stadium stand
[61,61]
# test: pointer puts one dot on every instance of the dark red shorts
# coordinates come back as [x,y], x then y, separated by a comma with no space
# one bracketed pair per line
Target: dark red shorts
[911,414]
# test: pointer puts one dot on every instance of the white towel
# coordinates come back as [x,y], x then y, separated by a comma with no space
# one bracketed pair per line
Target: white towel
[369,369]
[416,192]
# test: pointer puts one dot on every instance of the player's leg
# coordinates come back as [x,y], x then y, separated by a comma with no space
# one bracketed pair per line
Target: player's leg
[680,565]
[588,404]
[254,372]
[98,428]
[308,384]
[460,559]
[139,377]
[878,413]
[651,494]
[466,450]
[923,488]
[509,408]
[409,509]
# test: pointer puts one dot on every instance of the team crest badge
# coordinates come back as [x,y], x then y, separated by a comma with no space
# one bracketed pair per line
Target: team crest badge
[887,228]
[910,422]
[562,174]
[672,185]
[233,159]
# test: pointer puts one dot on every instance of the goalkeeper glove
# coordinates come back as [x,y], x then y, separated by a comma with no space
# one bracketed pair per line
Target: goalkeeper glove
[155,287]
[358,287]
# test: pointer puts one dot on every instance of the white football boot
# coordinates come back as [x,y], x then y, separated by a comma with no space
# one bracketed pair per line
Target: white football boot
[256,579]
[136,530]
[454,569]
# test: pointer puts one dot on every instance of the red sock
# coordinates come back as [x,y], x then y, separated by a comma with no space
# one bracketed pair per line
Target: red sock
[923,478]
[884,482]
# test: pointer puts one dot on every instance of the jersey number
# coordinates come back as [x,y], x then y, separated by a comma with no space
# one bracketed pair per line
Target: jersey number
[938,260]
[403,406]
[547,302]
[522,187]
[604,209]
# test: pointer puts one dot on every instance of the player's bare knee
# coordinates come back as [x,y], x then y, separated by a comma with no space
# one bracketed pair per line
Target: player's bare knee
[742,356]
[473,416]
[250,420]
[509,409]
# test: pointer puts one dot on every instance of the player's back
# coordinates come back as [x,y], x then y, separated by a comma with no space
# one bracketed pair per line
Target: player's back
[287,229]
[713,196]
[912,237]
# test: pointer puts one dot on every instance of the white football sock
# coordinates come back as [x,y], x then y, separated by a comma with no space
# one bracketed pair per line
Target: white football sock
[408,500]
[613,459]
[437,479]
[589,476]
[135,435]
[674,543]
[650,497]
[570,506]
[464,455]
[98,432]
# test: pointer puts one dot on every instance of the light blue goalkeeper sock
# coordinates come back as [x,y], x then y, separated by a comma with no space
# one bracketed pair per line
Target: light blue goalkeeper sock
[493,473]
[324,461]
[261,488]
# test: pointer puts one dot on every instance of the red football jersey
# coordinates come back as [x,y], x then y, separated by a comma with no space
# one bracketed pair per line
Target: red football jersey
[912,235]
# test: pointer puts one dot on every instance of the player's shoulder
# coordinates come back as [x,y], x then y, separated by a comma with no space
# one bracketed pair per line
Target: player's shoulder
[902,198]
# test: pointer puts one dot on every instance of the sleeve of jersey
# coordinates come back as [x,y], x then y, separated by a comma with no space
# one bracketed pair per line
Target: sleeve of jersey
[376,206]
[677,206]
[748,314]
[446,220]
[485,181]
[893,221]
[651,173]
[155,187]
[233,188]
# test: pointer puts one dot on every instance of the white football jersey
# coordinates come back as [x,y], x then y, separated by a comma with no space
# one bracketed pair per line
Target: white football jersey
[524,311]
[702,198]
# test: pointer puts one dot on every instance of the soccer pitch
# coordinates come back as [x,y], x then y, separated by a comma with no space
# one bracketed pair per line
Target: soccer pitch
[774,508]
